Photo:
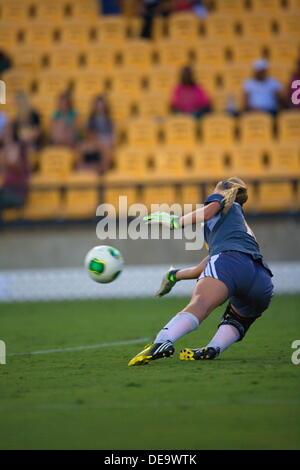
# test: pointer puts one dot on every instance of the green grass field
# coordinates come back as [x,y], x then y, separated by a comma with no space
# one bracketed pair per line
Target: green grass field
[89,399]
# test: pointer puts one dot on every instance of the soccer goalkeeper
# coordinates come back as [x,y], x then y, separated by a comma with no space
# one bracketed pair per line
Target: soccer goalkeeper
[234,271]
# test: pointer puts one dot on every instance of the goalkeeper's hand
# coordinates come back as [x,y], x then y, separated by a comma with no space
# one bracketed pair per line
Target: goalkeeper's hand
[163,218]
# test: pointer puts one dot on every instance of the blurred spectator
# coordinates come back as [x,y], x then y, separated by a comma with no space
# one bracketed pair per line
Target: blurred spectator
[27,124]
[200,8]
[196,6]
[3,124]
[13,171]
[263,93]
[188,97]
[97,147]
[293,103]
[149,10]
[110,7]
[64,126]
[5,62]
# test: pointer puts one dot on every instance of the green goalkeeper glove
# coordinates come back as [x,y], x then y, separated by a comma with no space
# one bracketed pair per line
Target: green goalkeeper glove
[163,218]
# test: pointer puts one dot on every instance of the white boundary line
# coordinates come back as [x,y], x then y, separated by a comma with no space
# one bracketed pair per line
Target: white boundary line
[82,348]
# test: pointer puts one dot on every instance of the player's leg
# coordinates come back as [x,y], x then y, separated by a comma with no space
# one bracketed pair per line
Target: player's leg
[241,312]
[208,294]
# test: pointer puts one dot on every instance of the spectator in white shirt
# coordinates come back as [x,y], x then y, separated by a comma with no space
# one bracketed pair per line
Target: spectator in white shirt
[261,92]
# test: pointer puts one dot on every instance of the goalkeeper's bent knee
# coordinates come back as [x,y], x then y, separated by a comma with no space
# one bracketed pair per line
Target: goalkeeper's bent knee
[242,324]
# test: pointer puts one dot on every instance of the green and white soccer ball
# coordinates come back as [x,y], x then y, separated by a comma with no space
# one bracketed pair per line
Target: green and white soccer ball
[104,263]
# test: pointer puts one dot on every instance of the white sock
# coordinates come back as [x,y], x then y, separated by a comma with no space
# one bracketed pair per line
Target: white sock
[179,326]
[225,337]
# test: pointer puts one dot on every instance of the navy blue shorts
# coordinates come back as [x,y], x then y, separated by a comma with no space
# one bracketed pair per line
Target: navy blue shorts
[248,281]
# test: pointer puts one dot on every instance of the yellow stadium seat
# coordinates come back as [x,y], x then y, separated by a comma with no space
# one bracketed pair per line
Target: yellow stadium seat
[281,72]
[180,130]
[268,6]
[40,34]
[235,76]
[84,10]
[289,23]
[258,26]
[218,129]
[17,80]
[208,162]
[231,7]
[191,194]
[184,27]
[275,197]
[207,76]
[27,58]
[142,133]
[121,106]
[247,161]
[169,162]
[102,56]
[11,215]
[153,105]
[112,29]
[284,50]
[89,84]
[229,99]
[285,160]
[163,79]
[82,178]
[57,161]
[172,53]
[165,194]
[48,10]
[51,84]
[134,27]
[75,33]
[13,10]
[220,26]
[64,58]
[43,204]
[245,51]
[126,81]
[112,195]
[289,126]
[8,35]
[137,53]
[256,127]
[131,164]
[210,53]
[80,203]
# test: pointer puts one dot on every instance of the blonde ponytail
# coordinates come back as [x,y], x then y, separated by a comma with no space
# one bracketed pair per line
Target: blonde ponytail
[233,189]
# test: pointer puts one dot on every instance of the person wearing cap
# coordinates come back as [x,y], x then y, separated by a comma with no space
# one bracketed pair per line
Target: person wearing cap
[262,92]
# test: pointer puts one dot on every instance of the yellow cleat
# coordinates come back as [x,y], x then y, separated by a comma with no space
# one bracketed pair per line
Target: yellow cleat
[152,352]
[199,354]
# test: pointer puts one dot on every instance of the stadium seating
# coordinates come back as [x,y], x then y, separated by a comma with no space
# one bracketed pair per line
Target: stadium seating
[56,44]
[220,27]
[180,131]
[218,129]
[184,27]
[43,204]
[289,126]
[137,54]
[80,203]
[285,160]
[208,162]
[112,194]
[275,197]
[256,128]
[142,133]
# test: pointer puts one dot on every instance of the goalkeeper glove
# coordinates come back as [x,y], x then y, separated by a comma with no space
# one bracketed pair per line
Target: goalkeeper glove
[163,218]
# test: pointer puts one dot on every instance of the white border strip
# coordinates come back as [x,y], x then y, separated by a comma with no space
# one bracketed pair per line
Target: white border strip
[82,348]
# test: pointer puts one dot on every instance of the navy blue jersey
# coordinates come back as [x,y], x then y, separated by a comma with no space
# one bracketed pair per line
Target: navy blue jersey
[229,231]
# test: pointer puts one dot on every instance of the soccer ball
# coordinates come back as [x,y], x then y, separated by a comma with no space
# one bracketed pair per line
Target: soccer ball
[104,263]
